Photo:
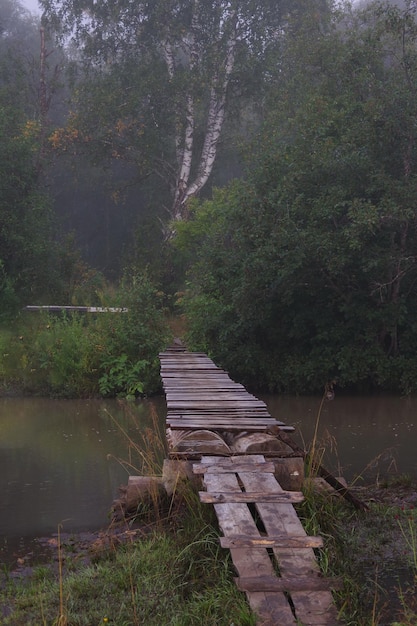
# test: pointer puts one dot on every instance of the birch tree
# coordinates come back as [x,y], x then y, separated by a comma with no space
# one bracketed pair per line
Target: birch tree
[188,57]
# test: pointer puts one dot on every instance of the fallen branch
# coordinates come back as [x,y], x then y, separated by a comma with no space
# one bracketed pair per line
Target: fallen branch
[320,470]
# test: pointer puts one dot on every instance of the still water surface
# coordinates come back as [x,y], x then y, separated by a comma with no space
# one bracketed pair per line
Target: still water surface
[363,436]
[60,461]
[58,458]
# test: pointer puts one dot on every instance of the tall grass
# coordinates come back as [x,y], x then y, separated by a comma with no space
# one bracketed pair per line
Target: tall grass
[83,355]
[368,549]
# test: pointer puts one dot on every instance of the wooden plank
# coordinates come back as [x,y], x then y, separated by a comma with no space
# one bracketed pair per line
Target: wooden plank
[214,373]
[230,427]
[215,404]
[219,411]
[283,541]
[185,358]
[315,608]
[253,459]
[217,419]
[283,497]
[272,608]
[190,365]
[217,395]
[200,383]
[193,371]
[235,424]
[217,423]
[290,584]
[228,417]
[237,467]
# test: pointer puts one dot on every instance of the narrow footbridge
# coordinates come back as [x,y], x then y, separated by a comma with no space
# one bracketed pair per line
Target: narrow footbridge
[226,435]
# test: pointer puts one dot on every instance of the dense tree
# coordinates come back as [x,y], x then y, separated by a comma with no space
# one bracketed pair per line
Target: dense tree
[26,224]
[307,271]
[19,44]
[26,247]
[160,77]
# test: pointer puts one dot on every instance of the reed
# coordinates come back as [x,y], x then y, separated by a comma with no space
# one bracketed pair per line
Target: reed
[146,453]
[62,618]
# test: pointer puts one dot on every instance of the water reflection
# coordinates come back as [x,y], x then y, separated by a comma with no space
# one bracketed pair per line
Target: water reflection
[58,458]
[368,436]
[58,461]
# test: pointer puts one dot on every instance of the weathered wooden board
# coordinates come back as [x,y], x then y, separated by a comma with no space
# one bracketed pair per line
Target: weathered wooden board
[236,426]
[190,374]
[192,367]
[242,466]
[177,373]
[271,608]
[221,418]
[288,584]
[204,418]
[282,541]
[200,413]
[217,396]
[220,412]
[283,497]
[200,384]
[311,607]
[216,404]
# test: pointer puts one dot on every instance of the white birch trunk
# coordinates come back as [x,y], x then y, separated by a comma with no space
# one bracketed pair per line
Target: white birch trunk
[187,157]
[214,126]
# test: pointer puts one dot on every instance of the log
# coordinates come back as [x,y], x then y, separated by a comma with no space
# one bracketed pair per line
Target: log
[258,443]
[289,472]
[319,485]
[148,490]
[175,472]
[197,442]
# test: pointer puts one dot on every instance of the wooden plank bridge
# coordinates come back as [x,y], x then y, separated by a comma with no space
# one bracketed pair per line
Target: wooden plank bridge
[271,552]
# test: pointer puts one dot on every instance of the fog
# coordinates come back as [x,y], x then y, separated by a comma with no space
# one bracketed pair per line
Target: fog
[32,5]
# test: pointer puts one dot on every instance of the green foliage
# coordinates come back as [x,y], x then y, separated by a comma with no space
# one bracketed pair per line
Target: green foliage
[83,355]
[134,338]
[121,374]
[154,81]
[8,298]
[306,272]
[63,357]
[29,255]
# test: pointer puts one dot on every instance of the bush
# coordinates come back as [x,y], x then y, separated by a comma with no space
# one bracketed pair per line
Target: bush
[84,355]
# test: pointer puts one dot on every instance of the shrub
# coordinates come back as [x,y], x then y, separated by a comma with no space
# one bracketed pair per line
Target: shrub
[85,354]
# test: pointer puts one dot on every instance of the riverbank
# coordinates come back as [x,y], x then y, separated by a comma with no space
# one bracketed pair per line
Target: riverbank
[168,568]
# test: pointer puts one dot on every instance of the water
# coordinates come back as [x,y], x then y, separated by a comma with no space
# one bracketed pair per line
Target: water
[60,462]
[364,436]
[58,458]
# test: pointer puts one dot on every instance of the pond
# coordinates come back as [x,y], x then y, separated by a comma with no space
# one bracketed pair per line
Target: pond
[364,437]
[62,461]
